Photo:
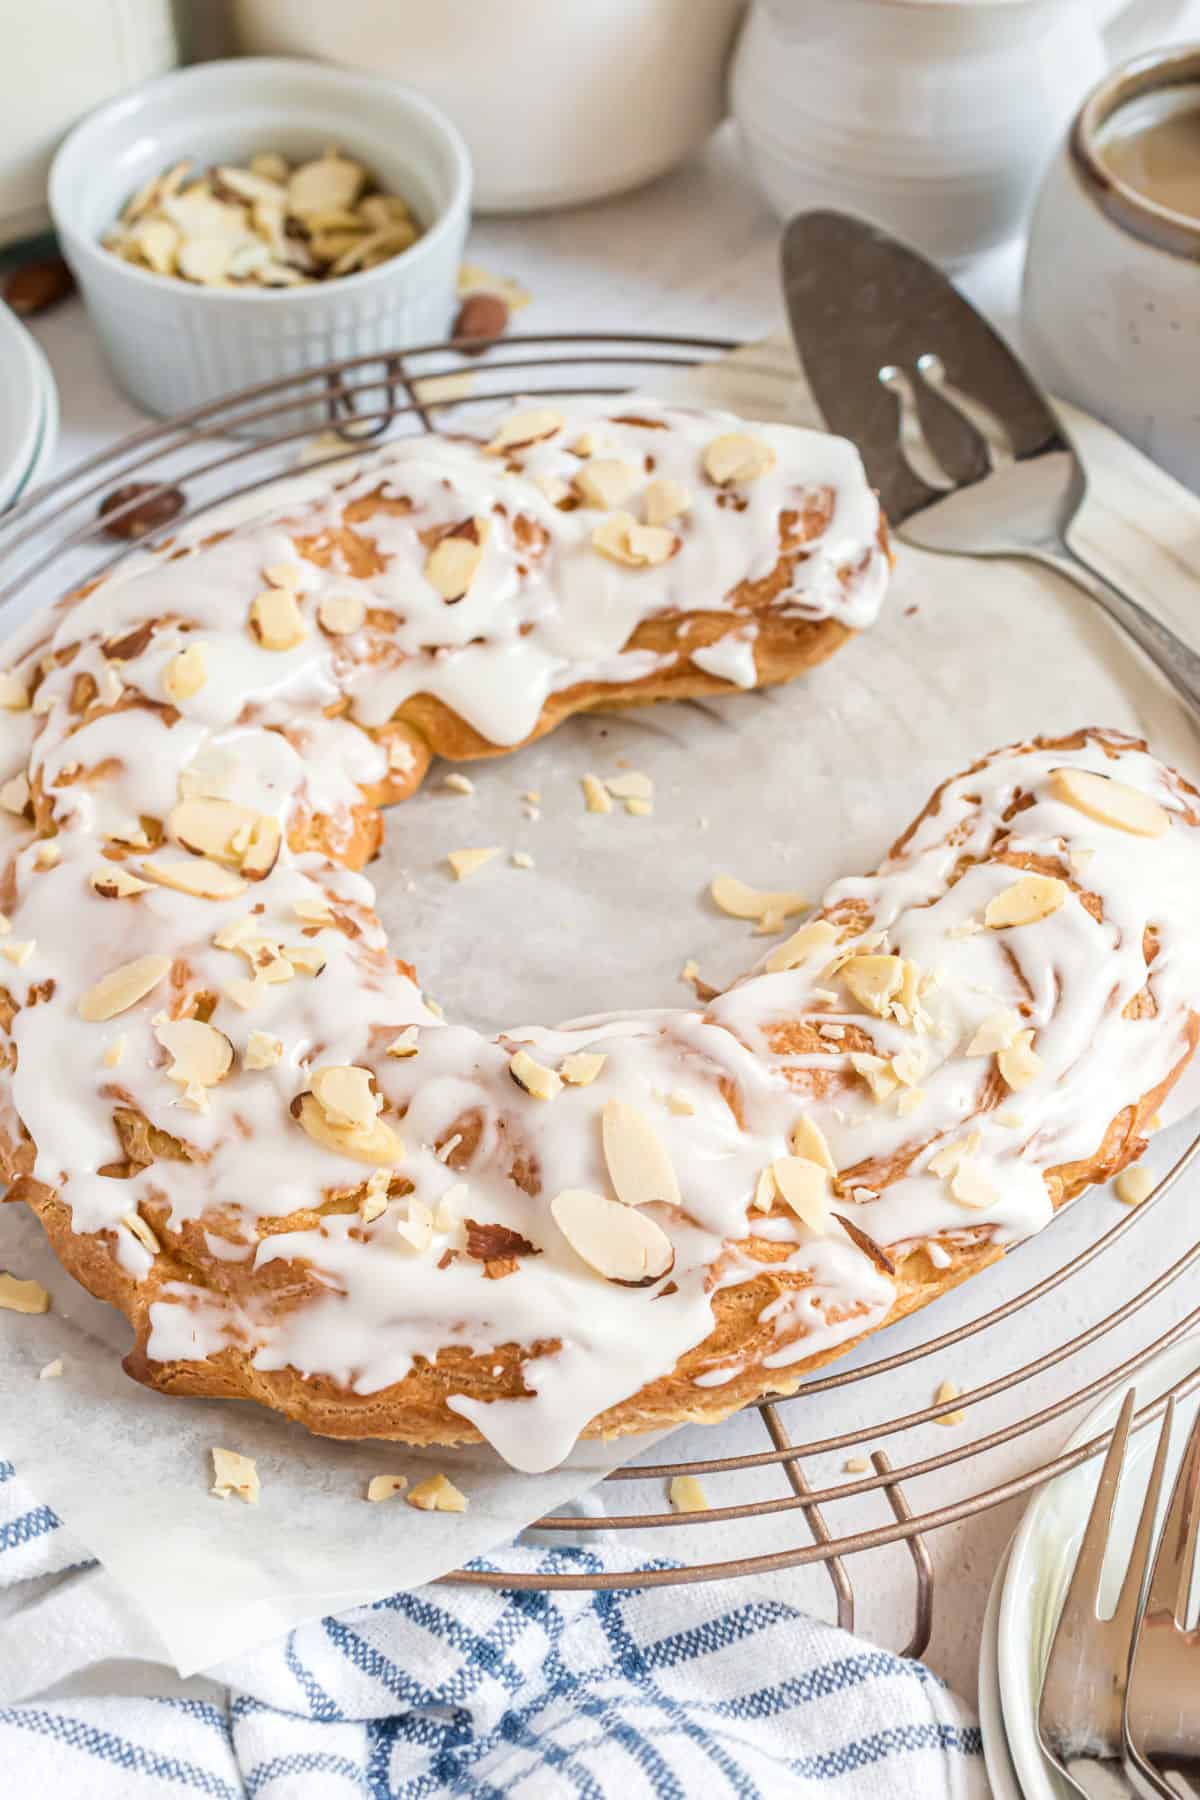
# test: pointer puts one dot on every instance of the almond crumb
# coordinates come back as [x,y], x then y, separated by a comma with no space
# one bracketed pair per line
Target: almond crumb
[52,1370]
[386,1487]
[596,795]
[856,1465]
[949,1390]
[521,859]
[234,1474]
[465,862]
[1134,1184]
[437,1495]
[459,784]
[687,1495]
[23,1296]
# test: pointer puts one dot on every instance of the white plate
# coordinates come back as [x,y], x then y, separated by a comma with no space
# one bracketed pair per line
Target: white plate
[996,1753]
[22,403]
[1043,1554]
[47,432]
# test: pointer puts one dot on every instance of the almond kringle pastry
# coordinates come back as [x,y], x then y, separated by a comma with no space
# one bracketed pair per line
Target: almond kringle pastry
[240,1123]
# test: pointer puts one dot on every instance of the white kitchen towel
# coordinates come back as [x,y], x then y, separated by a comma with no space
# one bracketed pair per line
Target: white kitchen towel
[674,1693]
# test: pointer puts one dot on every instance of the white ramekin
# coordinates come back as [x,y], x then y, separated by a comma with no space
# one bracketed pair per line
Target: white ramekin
[173,346]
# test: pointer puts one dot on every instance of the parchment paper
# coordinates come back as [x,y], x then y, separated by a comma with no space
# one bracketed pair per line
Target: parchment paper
[787,788]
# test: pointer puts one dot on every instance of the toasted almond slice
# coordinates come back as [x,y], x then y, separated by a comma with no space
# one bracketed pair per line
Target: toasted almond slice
[741,901]
[308,958]
[377,1144]
[632,785]
[1032,898]
[261,853]
[313,912]
[122,988]
[341,614]
[619,537]
[553,487]
[115,1051]
[582,1067]
[52,1370]
[620,1243]
[949,1390]
[465,862]
[200,1053]
[804,1186]
[197,876]
[47,854]
[417,1228]
[877,1072]
[186,673]
[459,783]
[856,1465]
[234,1474]
[137,1227]
[14,695]
[1019,1063]
[204,260]
[327,183]
[453,563]
[522,429]
[638,1164]
[596,795]
[14,794]
[909,1065]
[18,950]
[437,1495]
[665,500]
[1110,802]
[276,620]
[808,1140]
[607,481]
[1135,1184]
[208,827]
[262,1051]
[735,457]
[23,1296]
[112,882]
[346,1095]
[534,1077]
[874,981]
[812,939]
[946,1160]
[764,1191]
[686,1495]
[386,1487]
[374,1202]
[996,1033]
[970,1187]
[404,1045]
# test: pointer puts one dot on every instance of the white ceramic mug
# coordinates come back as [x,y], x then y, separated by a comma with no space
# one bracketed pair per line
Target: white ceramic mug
[1111,306]
[933,121]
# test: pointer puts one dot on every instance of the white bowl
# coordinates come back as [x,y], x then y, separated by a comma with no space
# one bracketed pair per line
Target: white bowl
[173,346]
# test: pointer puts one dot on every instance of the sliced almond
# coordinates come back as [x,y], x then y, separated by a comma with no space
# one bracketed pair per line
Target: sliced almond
[804,1186]
[18,951]
[23,1296]
[276,620]
[262,1051]
[112,882]
[347,1096]
[1019,1063]
[949,1390]
[1135,1184]
[374,1202]
[581,1068]
[620,1243]
[808,1140]
[874,981]
[197,876]
[52,1370]
[459,783]
[1110,802]
[341,614]
[1032,898]
[996,1033]
[633,785]
[741,901]
[437,1495]
[234,1474]
[186,673]
[686,1495]
[735,457]
[386,1487]
[328,183]
[534,1077]
[522,429]
[48,854]
[261,853]
[14,794]
[811,940]
[404,1045]
[465,862]
[122,988]
[377,1144]
[204,260]
[453,563]
[877,1072]
[14,695]
[665,500]
[971,1187]
[596,795]
[553,487]
[638,1164]
[607,481]
[619,537]
[200,1053]
[521,859]
[138,1228]
[115,1052]
[417,1228]
[209,827]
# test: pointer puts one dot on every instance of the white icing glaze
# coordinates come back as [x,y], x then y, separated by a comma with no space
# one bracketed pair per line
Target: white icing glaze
[385,1301]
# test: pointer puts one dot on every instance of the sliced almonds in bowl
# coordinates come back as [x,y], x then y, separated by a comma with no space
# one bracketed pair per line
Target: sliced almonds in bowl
[270,224]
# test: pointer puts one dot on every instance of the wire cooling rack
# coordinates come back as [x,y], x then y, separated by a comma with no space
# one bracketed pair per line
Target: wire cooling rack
[52,539]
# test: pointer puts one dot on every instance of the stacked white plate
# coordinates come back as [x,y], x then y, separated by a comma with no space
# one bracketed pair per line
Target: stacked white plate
[28,410]
[1032,1581]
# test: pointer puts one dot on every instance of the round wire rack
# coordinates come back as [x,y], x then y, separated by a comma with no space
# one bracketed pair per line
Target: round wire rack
[53,539]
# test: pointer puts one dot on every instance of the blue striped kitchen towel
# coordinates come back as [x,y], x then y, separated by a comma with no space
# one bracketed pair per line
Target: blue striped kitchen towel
[688,1693]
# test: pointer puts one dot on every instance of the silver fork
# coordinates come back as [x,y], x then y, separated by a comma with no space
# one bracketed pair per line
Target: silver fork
[1083,1693]
[1162,1702]
[966,454]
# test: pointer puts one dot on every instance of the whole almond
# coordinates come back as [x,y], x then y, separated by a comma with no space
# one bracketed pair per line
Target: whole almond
[480,316]
[149,507]
[38,286]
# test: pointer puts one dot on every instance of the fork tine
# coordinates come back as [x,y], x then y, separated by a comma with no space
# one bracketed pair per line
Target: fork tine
[1171,1580]
[1083,1591]
[1143,1543]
